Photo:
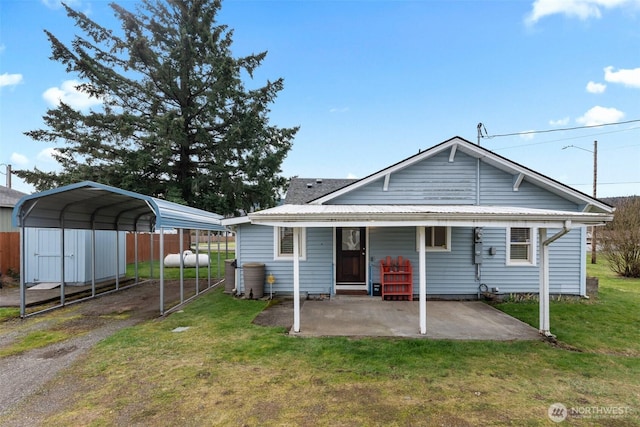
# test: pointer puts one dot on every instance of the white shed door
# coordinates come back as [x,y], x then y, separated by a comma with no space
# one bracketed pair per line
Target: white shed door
[48,256]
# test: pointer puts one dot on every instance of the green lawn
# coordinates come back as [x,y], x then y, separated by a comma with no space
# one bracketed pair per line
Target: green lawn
[224,370]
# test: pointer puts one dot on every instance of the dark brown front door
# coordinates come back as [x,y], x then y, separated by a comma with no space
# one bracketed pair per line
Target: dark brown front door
[350,255]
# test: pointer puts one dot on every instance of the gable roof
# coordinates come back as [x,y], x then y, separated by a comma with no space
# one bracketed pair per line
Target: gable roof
[304,190]
[456,144]
[89,205]
[9,197]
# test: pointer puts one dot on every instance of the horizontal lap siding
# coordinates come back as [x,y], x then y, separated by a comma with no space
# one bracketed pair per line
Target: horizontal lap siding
[496,188]
[448,273]
[564,265]
[316,272]
[435,181]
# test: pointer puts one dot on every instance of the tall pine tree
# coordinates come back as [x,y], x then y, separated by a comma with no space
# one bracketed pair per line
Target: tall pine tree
[176,120]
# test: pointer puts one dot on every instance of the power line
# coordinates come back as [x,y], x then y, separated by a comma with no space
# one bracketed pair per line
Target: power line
[610,183]
[572,138]
[533,132]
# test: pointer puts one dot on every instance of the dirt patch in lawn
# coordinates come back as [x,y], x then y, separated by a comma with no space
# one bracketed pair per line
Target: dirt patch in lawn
[279,313]
[24,376]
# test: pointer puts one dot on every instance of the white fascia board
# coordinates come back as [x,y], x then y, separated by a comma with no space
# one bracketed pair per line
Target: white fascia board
[546,182]
[235,220]
[345,218]
[433,223]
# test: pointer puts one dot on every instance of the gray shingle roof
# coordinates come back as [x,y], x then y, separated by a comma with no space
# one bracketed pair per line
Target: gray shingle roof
[9,197]
[303,190]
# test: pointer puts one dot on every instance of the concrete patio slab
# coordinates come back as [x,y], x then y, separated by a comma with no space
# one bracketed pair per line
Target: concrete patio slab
[373,317]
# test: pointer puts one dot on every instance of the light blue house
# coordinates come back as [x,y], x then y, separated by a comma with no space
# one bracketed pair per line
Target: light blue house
[467,219]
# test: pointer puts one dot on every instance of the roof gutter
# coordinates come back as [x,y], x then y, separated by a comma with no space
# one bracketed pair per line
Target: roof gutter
[425,219]
[565,229]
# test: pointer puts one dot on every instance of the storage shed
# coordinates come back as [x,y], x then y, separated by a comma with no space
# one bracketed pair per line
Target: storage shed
[42,256]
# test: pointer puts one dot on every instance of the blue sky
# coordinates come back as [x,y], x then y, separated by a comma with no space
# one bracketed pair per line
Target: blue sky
[371,82]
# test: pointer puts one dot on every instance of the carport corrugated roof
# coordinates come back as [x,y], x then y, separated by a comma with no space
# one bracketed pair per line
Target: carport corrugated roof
[93,206]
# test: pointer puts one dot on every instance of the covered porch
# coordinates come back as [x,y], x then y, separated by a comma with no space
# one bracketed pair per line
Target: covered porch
[363,316]
[549,226]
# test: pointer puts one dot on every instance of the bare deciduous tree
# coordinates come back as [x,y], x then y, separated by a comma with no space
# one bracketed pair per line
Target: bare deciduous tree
[621,238]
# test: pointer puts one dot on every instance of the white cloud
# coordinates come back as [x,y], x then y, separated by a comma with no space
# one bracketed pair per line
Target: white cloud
[339,110]
[57,4]
[7,79]
[46,155]
[559,122]
[629,77]
[351,176]
[68,94]
[600,115]
[581,9]
[527,135]
[593,87]
[19,159]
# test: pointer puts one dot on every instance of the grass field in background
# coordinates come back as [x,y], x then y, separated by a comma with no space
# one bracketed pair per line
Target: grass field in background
[224,370]
[217,269]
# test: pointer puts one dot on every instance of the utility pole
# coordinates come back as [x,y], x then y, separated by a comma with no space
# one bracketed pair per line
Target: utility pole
[595,185]
[8,173]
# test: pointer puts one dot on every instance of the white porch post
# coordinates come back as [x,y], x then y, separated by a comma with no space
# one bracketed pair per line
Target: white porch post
[544,275]
[544,282]
[296,280]
[423,280]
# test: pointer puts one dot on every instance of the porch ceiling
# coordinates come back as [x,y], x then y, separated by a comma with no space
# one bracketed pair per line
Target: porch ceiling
[422,215]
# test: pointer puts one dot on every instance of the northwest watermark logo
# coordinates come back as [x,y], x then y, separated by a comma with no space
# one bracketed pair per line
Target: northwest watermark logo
[558,412]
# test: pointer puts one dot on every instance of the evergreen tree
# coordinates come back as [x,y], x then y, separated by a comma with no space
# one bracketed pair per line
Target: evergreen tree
[176,121]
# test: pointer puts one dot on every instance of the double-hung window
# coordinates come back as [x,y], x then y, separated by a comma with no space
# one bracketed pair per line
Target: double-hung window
[437,239]
[283,243]
[521,246]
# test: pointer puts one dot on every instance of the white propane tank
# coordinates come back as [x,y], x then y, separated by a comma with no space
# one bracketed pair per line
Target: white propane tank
[190,259]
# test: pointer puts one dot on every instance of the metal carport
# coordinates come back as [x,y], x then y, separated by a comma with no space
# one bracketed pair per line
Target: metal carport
[92,206]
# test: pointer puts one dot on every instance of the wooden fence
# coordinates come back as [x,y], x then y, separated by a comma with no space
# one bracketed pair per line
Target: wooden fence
[171,246]
[9,252]
[10,248]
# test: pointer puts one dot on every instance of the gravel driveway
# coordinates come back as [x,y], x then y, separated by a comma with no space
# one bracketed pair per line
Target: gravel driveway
[25,398]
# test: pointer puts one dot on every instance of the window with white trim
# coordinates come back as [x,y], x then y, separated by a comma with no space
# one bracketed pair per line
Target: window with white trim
[521,244]
[437,239]
[283,243]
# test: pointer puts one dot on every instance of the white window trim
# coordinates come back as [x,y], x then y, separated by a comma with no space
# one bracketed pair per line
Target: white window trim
[277,256]
[533,245]
[435,248]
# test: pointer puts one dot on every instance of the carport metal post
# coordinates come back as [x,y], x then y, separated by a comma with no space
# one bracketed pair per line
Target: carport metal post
[62,259]
[117,257]
[135,250]
[181,234]
[161,272]
[422,265]
[23,256]
[151,253]
[197,261]
[93,261]
[209,267]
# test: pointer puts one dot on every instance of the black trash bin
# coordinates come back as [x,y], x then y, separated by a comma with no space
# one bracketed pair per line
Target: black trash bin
[377,290]
[253,279]
[229,275]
